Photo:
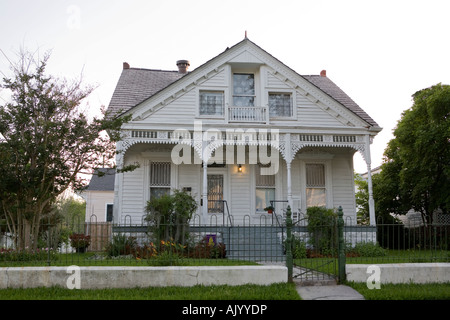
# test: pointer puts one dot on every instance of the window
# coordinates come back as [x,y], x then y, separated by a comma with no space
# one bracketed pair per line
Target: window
[211,103]
[280,104]
[159,179]
[109,212]
[243,90]
[315,185]
[265,189]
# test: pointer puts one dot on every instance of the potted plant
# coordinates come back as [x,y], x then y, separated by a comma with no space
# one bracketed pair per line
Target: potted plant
[269,209]
[80,241]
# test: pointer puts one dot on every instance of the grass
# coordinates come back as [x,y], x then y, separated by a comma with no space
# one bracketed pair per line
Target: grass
[280,291]
[98,260]
[404,291]
[329,265]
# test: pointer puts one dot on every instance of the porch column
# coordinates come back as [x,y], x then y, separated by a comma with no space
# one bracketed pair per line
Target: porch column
[118,187]
[205,192]
[289,184]
[288,157]
[369,182]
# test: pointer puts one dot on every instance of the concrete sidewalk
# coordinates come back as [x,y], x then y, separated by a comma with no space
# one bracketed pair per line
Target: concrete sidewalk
[328,292]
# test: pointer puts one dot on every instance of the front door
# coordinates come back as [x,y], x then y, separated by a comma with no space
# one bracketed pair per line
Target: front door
[215,193]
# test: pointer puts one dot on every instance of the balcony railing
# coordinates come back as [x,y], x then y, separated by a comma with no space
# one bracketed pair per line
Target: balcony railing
[248,114]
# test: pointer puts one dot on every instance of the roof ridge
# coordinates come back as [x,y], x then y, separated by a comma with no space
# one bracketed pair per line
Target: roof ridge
[147,69]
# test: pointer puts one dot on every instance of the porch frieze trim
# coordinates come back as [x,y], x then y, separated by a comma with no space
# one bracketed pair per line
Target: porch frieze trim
[287,147]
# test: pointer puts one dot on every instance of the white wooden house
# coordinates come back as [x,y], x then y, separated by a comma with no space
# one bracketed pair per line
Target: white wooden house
[99,196]
[265,132]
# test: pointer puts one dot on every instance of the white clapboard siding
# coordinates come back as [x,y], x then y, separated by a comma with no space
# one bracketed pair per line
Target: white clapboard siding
[309,114]
[343,186]
[216,80]
[179,110]
[189,176]
[133,195]
[275,83]
[239,198]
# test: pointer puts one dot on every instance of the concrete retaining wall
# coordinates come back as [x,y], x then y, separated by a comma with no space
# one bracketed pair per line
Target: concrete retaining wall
[130,277]
[400,272]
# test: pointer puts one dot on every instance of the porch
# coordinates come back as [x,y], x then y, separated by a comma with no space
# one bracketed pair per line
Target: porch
[237,174]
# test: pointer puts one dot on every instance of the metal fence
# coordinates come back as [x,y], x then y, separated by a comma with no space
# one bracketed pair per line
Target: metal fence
[311,253]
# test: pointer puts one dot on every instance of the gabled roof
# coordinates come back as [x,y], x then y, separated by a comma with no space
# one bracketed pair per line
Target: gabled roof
[103,182]
[137,85]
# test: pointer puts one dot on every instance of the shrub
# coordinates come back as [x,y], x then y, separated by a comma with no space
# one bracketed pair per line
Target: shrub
[322,229]
[369,249]
[40,254]
[169,216]
[298,248]
[146,251]
[121,245]
[80,241]
[206,248]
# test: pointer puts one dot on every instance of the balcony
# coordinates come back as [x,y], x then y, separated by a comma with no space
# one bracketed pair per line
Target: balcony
[247,114]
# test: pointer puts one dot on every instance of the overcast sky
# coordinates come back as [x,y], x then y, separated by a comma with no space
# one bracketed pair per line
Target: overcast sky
[379,52]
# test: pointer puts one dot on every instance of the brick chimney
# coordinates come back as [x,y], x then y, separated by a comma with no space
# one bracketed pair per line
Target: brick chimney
[183,66]
[126,65]
[323,73]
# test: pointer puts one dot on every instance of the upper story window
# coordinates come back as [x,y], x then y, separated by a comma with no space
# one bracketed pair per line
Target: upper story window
[243,90]
[211,103]
[280,105]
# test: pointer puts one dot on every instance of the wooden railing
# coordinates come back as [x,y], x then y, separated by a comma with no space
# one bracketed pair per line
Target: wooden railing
[248,114]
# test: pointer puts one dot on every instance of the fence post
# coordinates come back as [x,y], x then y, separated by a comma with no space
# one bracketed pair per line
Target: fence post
[341,246]
[289,262]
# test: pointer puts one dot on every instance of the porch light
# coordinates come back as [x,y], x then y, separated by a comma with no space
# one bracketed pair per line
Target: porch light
[240,169]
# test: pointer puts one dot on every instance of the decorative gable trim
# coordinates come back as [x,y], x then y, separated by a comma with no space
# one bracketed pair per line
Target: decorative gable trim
[247,48]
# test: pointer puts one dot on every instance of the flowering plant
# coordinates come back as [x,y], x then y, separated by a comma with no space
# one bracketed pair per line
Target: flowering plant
[80,241]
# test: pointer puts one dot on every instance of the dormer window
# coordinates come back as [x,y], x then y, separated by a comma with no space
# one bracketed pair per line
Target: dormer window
[243,90]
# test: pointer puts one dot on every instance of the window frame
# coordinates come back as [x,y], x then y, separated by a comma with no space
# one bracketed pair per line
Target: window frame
[233,94]
[316,187]
[326,160]
[109,205]
[161,186]
[199,99]
[263,187]
[281,92]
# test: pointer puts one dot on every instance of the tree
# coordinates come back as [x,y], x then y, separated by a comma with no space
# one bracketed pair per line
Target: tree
[416,169]
[362,200]
[46,141]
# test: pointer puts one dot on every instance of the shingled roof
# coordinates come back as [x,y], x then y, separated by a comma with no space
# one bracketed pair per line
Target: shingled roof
[103,182]
[329,87]
[136,85]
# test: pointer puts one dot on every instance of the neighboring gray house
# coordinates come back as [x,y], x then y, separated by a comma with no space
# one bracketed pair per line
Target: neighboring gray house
[99,196]
[242,128]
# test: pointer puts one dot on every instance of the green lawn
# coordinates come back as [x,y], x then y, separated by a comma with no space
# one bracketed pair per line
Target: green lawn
[280,291]
[99,259]
[330,265]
